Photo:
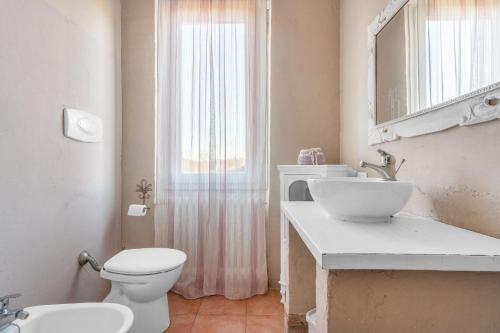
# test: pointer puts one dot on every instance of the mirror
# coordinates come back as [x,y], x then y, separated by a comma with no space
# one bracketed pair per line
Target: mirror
[431,52]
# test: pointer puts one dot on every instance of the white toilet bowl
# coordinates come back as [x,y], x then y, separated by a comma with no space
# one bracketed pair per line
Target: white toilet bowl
[140,279]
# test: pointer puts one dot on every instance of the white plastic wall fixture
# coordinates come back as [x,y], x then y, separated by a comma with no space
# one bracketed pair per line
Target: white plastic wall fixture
[82,126]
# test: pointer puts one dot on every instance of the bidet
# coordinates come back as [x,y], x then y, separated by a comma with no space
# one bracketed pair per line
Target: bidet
[74,318]
[7,315]
[63,318]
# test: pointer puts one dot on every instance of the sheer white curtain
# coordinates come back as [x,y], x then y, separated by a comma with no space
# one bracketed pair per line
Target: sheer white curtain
[458,48]
[212,143]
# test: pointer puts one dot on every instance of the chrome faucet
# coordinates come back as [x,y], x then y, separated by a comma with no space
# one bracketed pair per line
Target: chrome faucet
[388,169]
[7,316]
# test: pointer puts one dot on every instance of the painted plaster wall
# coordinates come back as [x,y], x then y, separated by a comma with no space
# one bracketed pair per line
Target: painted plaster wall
[455,171]
[304,95]
[138,70]
[58,196]
[413,302]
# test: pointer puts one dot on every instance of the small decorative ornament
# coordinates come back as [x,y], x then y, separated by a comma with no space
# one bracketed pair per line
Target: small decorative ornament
[143,188]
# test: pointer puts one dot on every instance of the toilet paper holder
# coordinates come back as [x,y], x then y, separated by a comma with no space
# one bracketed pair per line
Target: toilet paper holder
[143,188]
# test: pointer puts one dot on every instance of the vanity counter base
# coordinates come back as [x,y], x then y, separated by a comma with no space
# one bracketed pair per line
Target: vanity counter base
[383,300]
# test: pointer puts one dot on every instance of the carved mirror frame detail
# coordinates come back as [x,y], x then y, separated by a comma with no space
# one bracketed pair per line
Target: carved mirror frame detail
[473,108]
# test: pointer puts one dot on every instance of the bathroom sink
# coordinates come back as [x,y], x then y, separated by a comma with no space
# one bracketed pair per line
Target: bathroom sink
[359,199]
[75,318]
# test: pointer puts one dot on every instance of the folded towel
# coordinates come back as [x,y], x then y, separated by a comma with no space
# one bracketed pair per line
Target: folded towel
[312,156]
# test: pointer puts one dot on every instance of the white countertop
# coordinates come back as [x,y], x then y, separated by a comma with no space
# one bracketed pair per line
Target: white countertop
[405,243]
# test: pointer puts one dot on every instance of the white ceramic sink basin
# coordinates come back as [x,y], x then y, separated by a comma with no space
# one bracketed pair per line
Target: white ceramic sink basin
[75,318]
[360,199]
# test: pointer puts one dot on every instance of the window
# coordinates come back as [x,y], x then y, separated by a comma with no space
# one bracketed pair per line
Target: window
[213,101]
[212,95]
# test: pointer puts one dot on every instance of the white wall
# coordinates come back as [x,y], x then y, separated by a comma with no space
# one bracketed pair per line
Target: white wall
[57,196]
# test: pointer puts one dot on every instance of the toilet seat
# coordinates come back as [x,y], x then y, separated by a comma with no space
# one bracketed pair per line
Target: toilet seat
[148,261]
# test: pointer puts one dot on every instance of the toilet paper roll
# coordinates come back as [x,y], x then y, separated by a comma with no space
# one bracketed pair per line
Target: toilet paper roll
[137,210]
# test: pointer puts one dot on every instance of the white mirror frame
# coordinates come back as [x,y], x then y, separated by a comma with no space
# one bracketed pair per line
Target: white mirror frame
[473,108]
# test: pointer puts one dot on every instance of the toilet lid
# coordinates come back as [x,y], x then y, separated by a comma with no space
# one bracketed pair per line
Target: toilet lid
[145,261]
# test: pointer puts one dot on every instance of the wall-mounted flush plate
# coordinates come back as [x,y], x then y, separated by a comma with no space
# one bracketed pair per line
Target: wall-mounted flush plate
[82,126]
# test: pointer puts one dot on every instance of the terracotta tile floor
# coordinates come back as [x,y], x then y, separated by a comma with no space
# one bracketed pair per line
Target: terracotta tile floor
[216,314]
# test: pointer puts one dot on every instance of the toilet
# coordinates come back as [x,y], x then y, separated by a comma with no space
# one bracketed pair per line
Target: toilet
[140,279]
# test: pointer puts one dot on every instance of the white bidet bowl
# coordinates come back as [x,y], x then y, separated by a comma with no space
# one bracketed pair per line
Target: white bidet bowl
[75,318]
